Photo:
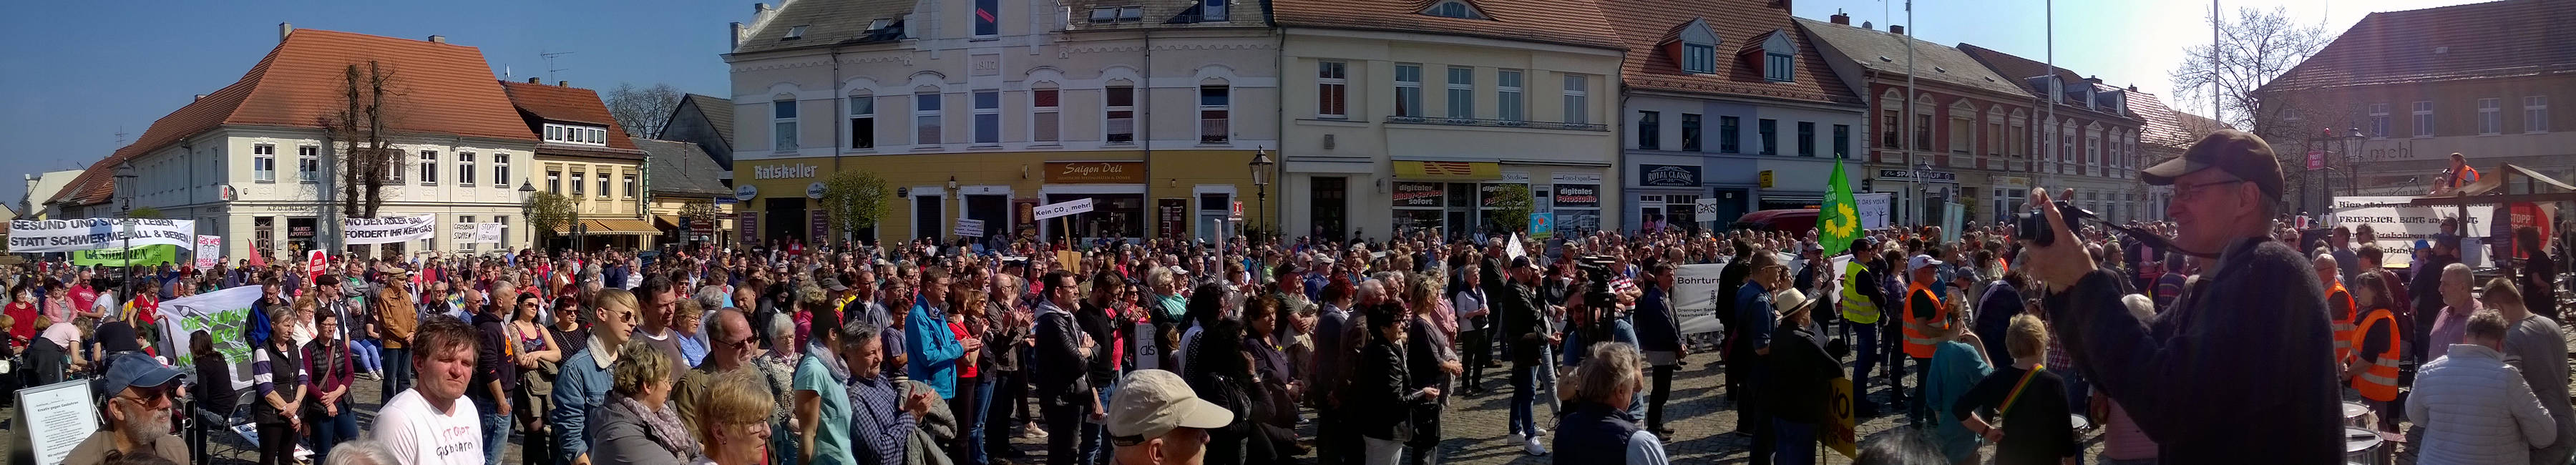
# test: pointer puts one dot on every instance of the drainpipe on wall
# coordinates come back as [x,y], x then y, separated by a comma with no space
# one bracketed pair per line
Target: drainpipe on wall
[1145,105]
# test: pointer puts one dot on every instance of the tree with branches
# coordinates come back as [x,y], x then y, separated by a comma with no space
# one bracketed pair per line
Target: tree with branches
[853,200]
[643,111]
[548,211]
[361,132]
[1509,205]
[2255,47]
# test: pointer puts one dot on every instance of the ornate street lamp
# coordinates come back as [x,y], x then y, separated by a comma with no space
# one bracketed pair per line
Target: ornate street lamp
[1261,165]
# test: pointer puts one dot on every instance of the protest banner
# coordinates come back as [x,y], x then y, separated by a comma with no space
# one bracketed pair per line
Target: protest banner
[2398,225]
[1057,209]
[970,227]
[360,231]
[147,255]
[210,252]
[31,236]
[1694,298]
[222,314]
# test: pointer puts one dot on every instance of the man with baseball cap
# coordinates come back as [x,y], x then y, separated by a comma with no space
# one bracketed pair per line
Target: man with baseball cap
[1155,419]
[138,392]
[2242,369]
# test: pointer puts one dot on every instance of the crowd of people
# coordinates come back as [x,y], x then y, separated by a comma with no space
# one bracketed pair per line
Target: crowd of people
[1257,352]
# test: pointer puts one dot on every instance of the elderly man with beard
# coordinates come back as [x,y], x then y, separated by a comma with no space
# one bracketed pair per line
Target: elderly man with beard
[139,393]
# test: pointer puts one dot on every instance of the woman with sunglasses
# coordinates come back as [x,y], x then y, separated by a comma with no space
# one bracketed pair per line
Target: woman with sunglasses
[538,355]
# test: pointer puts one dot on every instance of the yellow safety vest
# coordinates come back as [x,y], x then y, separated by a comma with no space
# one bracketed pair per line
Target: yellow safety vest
[1856,307]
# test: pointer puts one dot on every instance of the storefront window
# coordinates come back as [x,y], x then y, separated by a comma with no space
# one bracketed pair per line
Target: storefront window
[1577,207]
[1112,216]
[1419,204]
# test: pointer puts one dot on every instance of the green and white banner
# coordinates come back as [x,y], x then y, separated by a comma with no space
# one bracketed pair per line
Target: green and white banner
[223,315]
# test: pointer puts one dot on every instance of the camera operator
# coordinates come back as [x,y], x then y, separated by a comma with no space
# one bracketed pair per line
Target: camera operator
[2241,370]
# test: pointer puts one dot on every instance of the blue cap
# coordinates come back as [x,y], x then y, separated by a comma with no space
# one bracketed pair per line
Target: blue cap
[134,369]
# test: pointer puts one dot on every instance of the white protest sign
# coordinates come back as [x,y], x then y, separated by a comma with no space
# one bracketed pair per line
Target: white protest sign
[2398,225]
[970,228]
[1063,208]
[1873,209]
[210,252]
[1694,298]
[28,236]
[221,315]
[56,417]
[357,231]
[487,233]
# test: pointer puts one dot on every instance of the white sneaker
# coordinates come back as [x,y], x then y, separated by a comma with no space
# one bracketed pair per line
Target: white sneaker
[1541,431]
[1517,438]
[1534,448]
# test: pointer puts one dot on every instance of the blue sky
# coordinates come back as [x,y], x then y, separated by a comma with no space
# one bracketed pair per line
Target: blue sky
[78,73]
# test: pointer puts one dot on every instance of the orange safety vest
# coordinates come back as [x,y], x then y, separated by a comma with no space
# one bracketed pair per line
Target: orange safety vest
[1919,333]
[2343,319]
[2380,381]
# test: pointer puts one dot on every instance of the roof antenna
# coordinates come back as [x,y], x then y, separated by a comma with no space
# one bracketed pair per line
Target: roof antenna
[550,62]
[120,136]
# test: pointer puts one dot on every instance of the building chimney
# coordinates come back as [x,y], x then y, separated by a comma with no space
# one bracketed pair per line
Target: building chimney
[563,83]
[199,97]
[2096,79]
[438,39]
[2133,87]
[284,29]
[1842,19]
[533,81]
[1898,29]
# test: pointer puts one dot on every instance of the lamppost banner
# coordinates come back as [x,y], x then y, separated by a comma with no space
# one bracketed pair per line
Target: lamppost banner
[28,236]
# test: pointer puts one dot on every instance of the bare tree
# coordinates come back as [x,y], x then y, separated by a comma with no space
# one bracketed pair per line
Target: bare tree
[362,131]
[642,111]
[2252,49]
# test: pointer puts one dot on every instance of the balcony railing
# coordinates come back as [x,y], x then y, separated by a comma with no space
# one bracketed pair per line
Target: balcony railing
[1498,123]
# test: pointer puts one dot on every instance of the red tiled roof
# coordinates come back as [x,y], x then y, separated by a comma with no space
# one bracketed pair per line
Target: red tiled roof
[447,88]
[568,105]
[1645,25]
[2475,41]
[1569,22]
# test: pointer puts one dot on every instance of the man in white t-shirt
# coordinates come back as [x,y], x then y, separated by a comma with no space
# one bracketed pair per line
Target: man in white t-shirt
[428,425]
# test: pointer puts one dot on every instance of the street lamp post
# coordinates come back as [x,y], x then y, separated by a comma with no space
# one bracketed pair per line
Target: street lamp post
[125,208]
[2352,164]
[526,191]
[1261,183]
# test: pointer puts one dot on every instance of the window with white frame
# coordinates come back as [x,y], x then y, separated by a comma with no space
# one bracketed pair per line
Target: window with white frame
[500,169]
[554,181]
[1508,102]
[2378,120]
[2092,147]
[782,119]
[308,163]
[628,187]
[1216,102]
[1408,90]
[1045,116]
[576,134]
[576,183]
[1462,92]
[2424,118]
[465,168]
[988,117]
[863,121]
[1119,114]
[428,167]
[505,228]
[2535,113]
[925,117]
[397,170]
[2490,116]
[1332,79]
[263,163]
[1578,95]
[603,182]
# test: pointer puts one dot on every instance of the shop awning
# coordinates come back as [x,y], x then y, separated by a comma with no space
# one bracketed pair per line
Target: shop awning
[614,227]
[1448,170]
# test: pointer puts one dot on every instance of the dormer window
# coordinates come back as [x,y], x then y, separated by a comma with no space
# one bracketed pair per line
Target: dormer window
[880,24]
[1131,14]
[1699,58]
[576,134]
[1774,54]
[1693,47]
[1213,10]
[1454,9]
[1112,14]
[793,33]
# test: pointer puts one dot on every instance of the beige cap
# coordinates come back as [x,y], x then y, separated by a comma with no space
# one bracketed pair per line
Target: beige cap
[1150,403]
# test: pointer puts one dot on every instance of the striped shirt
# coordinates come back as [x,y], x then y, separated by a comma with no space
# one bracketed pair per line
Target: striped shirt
[879,428]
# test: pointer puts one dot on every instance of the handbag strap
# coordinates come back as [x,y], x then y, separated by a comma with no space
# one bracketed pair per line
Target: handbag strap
[2016,391]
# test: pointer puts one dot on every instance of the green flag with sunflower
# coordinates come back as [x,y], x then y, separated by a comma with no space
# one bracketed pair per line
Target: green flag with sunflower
[1839,223]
